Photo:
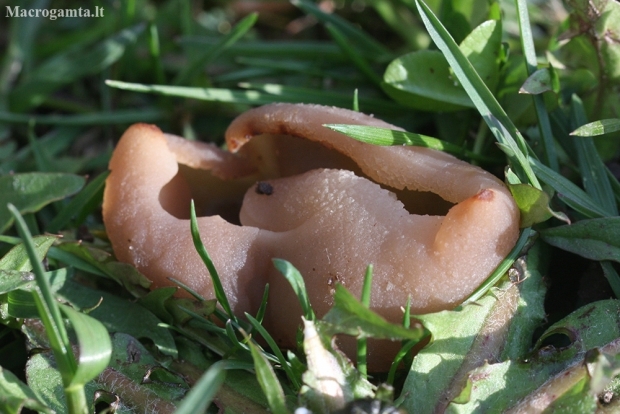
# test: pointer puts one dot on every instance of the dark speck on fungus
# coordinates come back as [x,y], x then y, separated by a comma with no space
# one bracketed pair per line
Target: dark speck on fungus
[264,188]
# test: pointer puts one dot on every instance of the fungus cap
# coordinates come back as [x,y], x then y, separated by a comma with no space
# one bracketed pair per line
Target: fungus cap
[309,195]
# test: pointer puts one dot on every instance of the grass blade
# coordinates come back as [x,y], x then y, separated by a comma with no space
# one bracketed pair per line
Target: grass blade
[508,136]
[362,343]
[350,317]
[42,161]
[18,52]
[262,67]
[527,42]
[220,294]
[79,202]
[294,94]
[202,393]
[260,314]
[276,350]
[593,171]
[155,52]
[568,192]
[604,126]
[125,116]
[268,381]
[49,313]
[502,268]
[232,337]
[274,49]
[70,65]
[385,137]
[357,59]
[612,277]
[400,355]
[213,52]
[297,282]
[367,286]
[267,93]
[355,35]
[72,260]
[615,185]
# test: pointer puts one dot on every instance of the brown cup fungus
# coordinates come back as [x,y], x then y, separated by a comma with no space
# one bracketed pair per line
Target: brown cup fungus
[434,227]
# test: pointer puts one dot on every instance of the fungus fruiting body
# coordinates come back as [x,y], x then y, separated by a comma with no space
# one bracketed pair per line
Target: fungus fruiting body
[434,227]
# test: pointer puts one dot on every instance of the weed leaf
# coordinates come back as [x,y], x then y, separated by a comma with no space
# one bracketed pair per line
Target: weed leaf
[94,345]
[69,66]
[533,204]
[17,395]
[29,192]
[537,83]
[350,317]
[595,239]
[592,129]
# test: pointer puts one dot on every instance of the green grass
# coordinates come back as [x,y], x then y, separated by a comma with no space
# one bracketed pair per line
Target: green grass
[523,96]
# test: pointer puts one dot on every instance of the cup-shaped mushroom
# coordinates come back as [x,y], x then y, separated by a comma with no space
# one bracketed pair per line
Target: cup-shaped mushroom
[434,227]
[337,222]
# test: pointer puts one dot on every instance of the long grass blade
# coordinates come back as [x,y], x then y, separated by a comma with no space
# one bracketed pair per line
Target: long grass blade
[202,393]
[356,36]
[274,49]
[612,277]
[260,314]
[507,135]
[124,116]
[615,184]
[502,268]
[70,65]
[568,192]
[593,171]
[400,355]
[527,43]
[266,93]
[220,294]
[325,97]
[268,381]
[155,52]
[212,53]
[79,202]
[356,58]
[276,350]
[385,137]
[362,343]
[74,261]
[41,159]
[261,67]
[297,282]
[18,52]
[49,312]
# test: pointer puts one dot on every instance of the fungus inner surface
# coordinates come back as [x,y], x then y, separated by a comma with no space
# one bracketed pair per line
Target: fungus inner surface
[272,156]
